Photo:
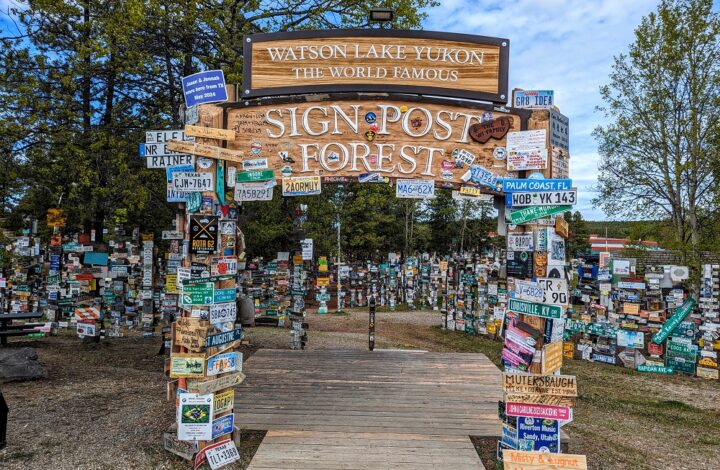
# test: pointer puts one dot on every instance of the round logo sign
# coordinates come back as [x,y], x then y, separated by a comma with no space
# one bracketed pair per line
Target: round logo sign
[370,118]
[499,153]
[204,163]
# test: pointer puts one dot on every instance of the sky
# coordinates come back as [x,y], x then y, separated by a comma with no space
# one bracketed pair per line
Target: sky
[562,45]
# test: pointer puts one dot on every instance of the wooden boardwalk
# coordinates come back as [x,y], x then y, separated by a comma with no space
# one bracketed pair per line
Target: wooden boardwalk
[340,409]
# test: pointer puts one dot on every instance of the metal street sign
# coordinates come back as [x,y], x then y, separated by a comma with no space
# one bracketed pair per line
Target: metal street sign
[674,321]
[170,160]
[224,338]
[254,176]
[528,214]
[537,310]
[528,185]
[545,198]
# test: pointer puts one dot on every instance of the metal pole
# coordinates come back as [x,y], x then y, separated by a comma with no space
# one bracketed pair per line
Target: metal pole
[337,307]
[371,324]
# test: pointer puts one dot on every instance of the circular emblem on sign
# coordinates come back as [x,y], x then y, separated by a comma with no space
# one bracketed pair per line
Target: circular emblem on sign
[333,157]
[373,158]
[370,136]
[374,127]
[370,117]
[446,175]
[204,163]
[499,153]
[523,256]
[403,109]
[255,148]
[536,175]
[486,116]
[286,171]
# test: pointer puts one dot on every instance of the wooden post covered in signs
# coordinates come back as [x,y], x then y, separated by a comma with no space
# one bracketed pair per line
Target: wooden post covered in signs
[205,335]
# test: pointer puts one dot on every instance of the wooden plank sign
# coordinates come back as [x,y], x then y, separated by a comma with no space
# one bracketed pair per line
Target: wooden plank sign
[387,138]
[552,357]
[184,449]
[203,150]
[523,460]
[530,410]
[191,333]
[556,385]
[539,399]
[209,132]
[213,386]
[430,63]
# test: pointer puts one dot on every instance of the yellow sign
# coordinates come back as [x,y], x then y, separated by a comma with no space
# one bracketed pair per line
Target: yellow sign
[301,186]
[187,365]
[631,309]
[223,402]
[171,284]
[569,350]
[522,460]
[56,218]
[323,281]
[470,191]
[552,357]
[562,228]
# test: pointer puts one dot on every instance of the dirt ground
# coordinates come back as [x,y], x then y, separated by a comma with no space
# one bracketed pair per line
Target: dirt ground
[103,406]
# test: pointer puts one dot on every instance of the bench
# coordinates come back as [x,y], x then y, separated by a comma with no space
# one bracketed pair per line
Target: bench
[8,329]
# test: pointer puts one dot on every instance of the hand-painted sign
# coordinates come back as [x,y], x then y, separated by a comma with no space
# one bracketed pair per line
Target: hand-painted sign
[301,186]
[555,385]
[530,159]
[430,63]
[415,189]
[526,460]
[552,357]
[203,234]
[213,386]
[223,363]
[224,338]
[208,133]
[495,128]
[561,413]
[528,214]
[545,198]
[538,310]
[680,314]
[533,98]
[184,449]
[204,87]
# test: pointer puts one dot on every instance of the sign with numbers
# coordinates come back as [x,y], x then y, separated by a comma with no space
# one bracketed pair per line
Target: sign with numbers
[415,189]
[544,198]
[192,181]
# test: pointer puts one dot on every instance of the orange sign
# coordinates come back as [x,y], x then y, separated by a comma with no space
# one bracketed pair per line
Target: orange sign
[56,218]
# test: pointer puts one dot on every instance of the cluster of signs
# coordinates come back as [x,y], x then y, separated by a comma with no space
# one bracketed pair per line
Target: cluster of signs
[647,322]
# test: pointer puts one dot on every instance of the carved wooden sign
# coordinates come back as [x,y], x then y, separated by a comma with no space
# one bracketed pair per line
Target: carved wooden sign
[426,62]
[496,129]
[368,138]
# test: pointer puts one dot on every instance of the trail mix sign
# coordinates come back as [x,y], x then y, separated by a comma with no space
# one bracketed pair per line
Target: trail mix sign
[445,64]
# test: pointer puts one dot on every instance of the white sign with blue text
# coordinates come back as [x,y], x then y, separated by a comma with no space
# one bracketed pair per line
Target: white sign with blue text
[528,185]
[415,189]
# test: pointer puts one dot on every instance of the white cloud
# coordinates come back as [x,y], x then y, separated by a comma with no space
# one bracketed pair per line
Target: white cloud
[564,45]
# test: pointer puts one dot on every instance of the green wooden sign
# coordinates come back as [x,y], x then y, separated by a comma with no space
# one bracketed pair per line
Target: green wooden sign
[674,321]
[655,369]
[538,310]
[198,294]
[535,212]
[55,279]
[253,176]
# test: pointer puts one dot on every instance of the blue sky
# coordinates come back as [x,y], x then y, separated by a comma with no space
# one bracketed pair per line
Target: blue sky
[562,45]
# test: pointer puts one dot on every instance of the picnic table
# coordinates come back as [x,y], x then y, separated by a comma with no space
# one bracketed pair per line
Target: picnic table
[8,329]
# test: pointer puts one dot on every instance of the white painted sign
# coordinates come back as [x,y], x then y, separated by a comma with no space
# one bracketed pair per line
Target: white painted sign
[307,249]
[194,417]
[415,189]
[193,181]
[466,197]
[253,192]
[526,140]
